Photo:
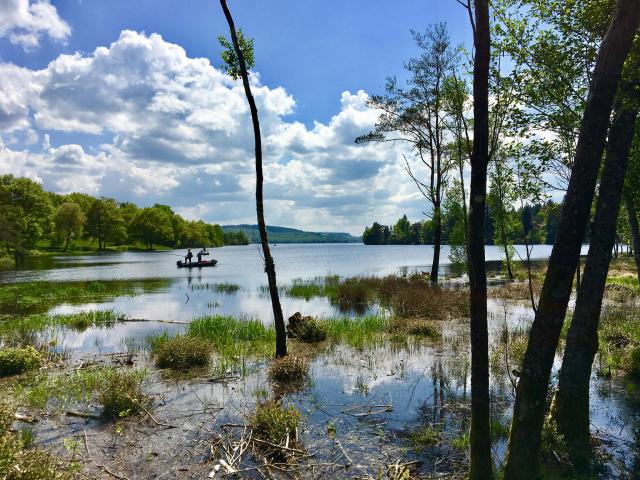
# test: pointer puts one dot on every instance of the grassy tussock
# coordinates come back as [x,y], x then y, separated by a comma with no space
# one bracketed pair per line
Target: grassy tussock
[276,423]
[289,370]
[19,360]
[75,321]
[120,393]
[415,326]
[181,352]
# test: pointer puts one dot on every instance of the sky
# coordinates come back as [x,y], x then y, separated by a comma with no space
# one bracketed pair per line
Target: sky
[127,99]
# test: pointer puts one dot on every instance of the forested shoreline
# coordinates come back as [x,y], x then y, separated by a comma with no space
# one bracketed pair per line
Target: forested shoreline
[32,218]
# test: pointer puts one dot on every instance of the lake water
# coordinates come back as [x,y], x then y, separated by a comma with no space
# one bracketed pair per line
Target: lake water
[191,292]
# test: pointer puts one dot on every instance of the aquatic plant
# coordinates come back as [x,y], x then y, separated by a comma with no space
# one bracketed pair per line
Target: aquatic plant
[275,423]
[15,360]
[181,352]
[120,393]
[289,370]
[224,287]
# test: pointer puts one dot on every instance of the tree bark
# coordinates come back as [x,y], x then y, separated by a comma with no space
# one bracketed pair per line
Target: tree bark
[571,404]
[632,216]
[481,463]
[270,268]
[523,460]
[437,241]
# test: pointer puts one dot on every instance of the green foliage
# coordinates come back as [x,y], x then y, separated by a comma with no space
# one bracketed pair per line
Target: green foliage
[69,221]
[105,222]
[291,235]
[236,238]
[275,423]
[19,360]
[230,57]
[312,331]
[152,225]
[120,393]
[181,352]
[427,436]
[288,370]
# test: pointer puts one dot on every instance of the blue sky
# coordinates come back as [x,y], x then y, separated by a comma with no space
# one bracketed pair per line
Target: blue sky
[315,63]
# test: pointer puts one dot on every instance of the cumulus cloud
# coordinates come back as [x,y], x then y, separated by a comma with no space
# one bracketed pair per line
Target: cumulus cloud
[173,129]
[25,21]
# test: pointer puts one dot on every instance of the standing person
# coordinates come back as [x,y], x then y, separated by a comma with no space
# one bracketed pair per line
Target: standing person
[189,256]
[201,253]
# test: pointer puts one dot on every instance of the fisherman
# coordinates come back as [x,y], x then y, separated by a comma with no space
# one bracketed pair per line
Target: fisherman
[201,253]
[189,256]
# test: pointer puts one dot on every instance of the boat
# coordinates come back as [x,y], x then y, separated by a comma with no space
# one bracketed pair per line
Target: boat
[203,263]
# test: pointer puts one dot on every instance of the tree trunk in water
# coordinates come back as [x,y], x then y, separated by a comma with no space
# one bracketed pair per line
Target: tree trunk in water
[632,216]
[269,265]
[523,460]
[481,463]
[437,240]
[571,404]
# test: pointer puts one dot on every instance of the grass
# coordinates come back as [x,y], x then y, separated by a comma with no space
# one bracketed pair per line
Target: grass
[620,339]
[308,289]
[415,326]
[427,436]
[75,321]
[509,350]
[357,332]
[37,297]
[224,287]
[19,360]
[289,370]
[308,329]
[120,393]
[275,423]
[20,462]
[181,352]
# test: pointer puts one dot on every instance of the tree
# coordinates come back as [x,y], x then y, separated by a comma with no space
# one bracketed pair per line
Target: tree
[481,463]
[236,60]
[631,196]
[104,222]
[402,231]
[25,214]
[153,226]
[69,222]
[417,115]
[530,405]
[571,404]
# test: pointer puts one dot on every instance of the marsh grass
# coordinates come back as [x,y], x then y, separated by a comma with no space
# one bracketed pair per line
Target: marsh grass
[15,360]
[357,332]
[275,423]
[420,327]
[425,436]
[620,339]
[180,352]
[120,393]
[37,297]
[75,321]
[224,287]
[18,461]
[509,349]
[290,370]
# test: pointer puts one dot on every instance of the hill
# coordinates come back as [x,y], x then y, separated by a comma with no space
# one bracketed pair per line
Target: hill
[292,235]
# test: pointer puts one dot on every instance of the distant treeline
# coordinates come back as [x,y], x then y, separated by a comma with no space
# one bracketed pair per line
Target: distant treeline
[540,221]
[292,235]
[31,217]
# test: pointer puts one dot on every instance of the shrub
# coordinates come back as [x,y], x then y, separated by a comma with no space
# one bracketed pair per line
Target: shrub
[120,393]
[18,360]
[181,352]
[307,329]
[274,423]
[288,370]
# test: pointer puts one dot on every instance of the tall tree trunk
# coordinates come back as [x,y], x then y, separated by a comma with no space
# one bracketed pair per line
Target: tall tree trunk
[523,460]
[270,268]
[481,463]
[571,404]
[437,241]
[632,216]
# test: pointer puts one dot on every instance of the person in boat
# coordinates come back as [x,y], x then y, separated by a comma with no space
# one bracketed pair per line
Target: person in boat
[189,256]
[201,253]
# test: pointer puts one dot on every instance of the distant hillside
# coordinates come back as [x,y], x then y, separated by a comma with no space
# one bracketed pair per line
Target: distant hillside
[292,235]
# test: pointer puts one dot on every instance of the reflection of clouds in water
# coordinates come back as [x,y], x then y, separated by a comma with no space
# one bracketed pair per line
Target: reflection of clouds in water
[109,340]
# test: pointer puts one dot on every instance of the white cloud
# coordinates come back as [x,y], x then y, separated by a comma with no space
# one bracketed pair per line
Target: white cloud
[25,21]
[174,129]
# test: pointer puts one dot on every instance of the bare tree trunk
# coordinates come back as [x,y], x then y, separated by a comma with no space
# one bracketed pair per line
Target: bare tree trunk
[481,463]
[270,268]
[632,216]
[523,460]
[437,241]
[571,405]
